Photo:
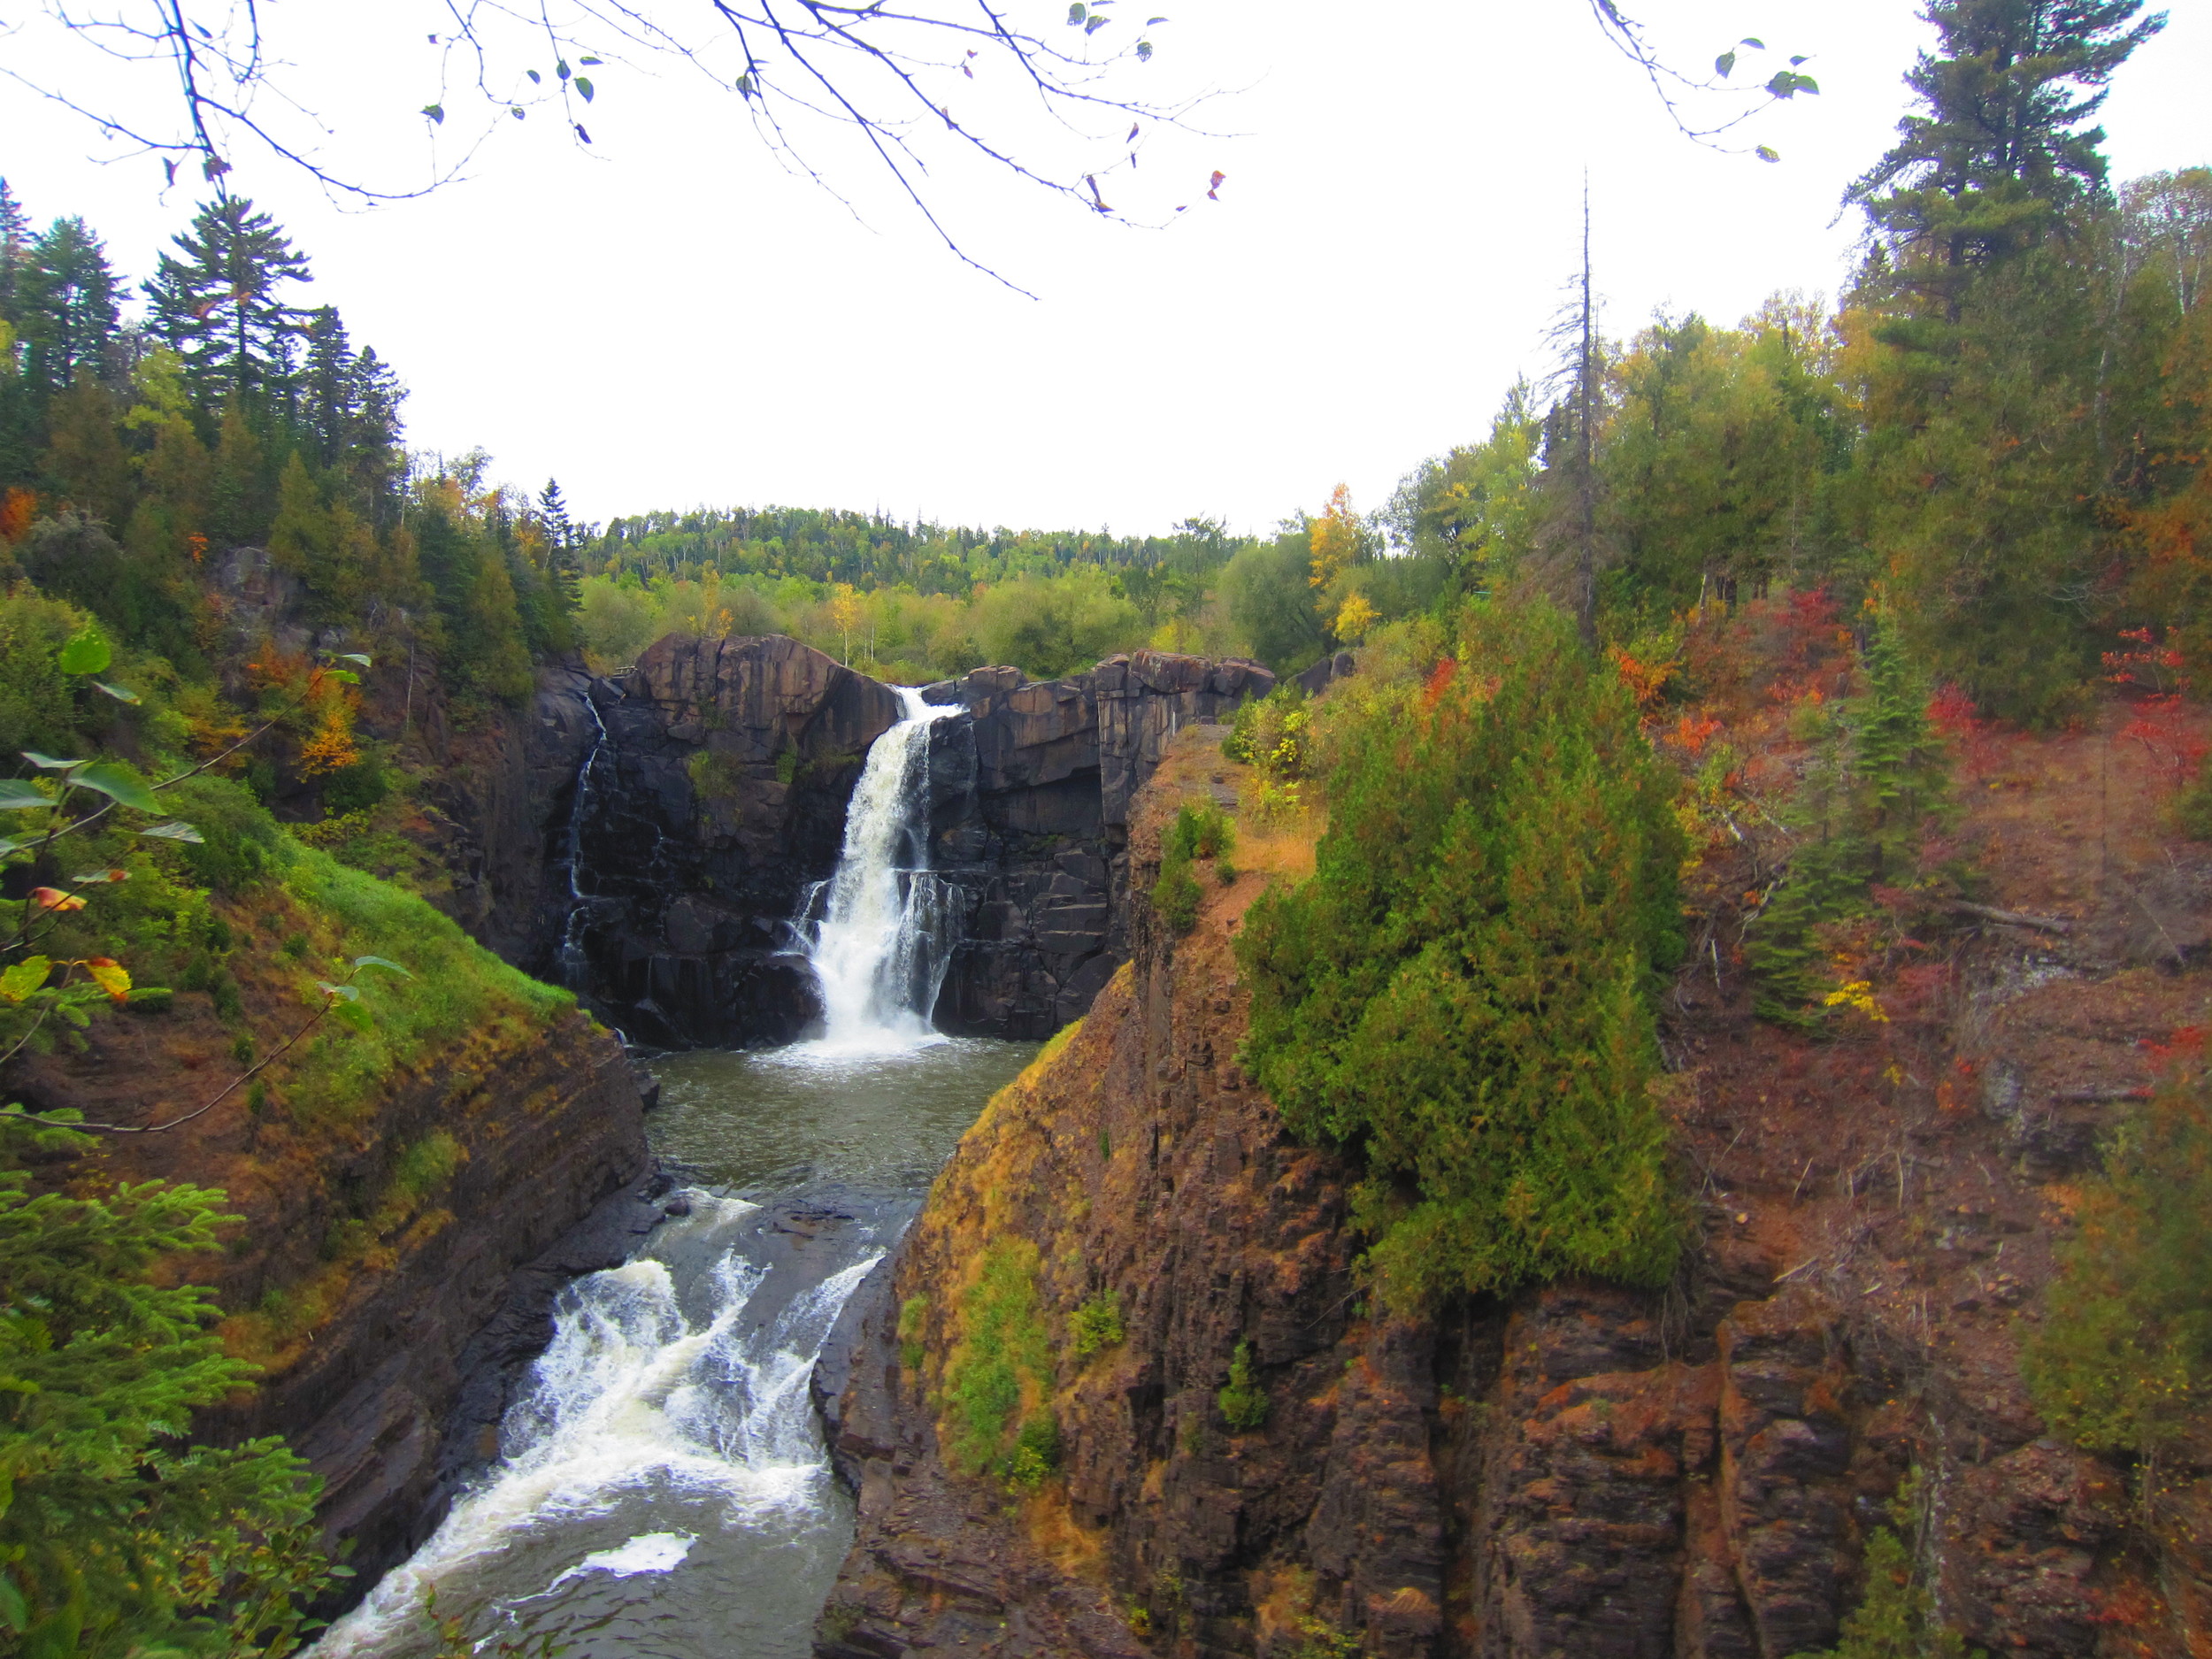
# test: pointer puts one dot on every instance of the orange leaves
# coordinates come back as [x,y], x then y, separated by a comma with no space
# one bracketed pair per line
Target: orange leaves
[1646,682]
[1438,681]
[54,901]
[332,747]
[17,507]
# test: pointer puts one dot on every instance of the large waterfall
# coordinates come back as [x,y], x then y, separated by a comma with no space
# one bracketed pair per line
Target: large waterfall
[881,946]
[662,1485]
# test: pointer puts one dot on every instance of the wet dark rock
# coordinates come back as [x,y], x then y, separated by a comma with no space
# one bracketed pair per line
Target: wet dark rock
[716,803]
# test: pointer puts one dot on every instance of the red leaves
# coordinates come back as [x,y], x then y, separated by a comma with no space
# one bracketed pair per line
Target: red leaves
[54,900]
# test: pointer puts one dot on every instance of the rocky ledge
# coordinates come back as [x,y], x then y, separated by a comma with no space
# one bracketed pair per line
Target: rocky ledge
[705,796]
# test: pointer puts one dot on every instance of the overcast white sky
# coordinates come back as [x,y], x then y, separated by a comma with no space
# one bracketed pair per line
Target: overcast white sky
[671,320]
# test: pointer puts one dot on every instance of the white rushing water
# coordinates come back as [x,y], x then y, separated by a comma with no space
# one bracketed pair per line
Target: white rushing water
[881,948]
[671,1395]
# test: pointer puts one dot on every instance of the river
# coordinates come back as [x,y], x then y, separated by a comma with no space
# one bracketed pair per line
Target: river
[662,1488]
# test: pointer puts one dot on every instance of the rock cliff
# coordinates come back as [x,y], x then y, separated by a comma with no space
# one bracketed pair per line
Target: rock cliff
[1573,1469]
[704,793]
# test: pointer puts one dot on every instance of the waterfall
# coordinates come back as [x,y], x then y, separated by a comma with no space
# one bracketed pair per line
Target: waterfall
[881,948]
[574,967]
[674,1390]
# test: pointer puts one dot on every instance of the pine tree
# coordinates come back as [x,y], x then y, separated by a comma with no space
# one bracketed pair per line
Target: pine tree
[1998,150]
[220,308]
[115,1535]
[328,384]
[15,247]
[67,298]
[561,546]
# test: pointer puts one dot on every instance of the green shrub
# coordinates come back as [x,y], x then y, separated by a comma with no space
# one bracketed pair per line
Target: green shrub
[912,1312]
[1463,990]
[1242,1402]
[1270,733]
[1175,896]
[239,844]
[1878,776]
[1096,1325]
[998,1377]
[1198,831]
[358,788]
[116,1535]
[2122,1359]
[1896,1616]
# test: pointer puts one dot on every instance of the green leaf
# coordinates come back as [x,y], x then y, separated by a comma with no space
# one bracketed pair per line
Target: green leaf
[344,676]
[87,653]
[17,795]
[536,79]
[24,978]
[435,111]
[121,694]
[1753,41]
[561,69]
[1144,51]
[1723,64]
[14,1610]
[1095,24]
[9,844]
[1150,22]
[588,62]
[384,963]
[338,993]
[46,763]
[354,657]
[175,831]
[1765,154]
[1795,61]
[583,87]
[516,114]
[119,783]
[1078,13]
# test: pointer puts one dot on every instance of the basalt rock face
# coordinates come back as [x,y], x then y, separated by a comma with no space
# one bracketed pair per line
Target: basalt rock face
[715,798]
[1575,1469]
[705,798]
[1029,806]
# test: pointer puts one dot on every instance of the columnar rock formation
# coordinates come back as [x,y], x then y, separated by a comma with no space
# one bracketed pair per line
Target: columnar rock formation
[717,800]
[1571,1470]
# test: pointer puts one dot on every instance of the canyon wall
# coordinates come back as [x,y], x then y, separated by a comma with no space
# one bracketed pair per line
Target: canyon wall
[716,801]
[1573,1469]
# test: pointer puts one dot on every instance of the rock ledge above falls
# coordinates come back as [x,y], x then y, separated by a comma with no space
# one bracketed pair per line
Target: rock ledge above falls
[719,799]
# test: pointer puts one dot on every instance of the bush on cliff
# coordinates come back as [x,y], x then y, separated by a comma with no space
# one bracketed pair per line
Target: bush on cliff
[2122,1360]
[1463,991]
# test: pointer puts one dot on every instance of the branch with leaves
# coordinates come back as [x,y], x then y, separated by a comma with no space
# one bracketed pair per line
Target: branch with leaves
[1677,92]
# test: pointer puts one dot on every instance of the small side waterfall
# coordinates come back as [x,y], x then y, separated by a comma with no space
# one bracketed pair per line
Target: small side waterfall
[570,959]
[880,947]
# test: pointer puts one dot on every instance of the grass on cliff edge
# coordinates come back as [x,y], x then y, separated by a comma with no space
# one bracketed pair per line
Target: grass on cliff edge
[1464,992]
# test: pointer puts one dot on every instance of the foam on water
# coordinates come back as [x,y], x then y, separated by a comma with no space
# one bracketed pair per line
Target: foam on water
[633,1395]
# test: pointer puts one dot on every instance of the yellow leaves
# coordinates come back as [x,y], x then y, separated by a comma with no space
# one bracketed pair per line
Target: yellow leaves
[1335,538]
[1354,618]
[111,976]
[54,900]
[1859,994]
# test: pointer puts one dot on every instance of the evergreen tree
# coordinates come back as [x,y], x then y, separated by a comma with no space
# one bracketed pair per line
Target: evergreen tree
[66,300]
[561,539]
[116,1536]
[329,384]
[372,454]
[1463,990]
[15,247]
[220,307]
[1998,147]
